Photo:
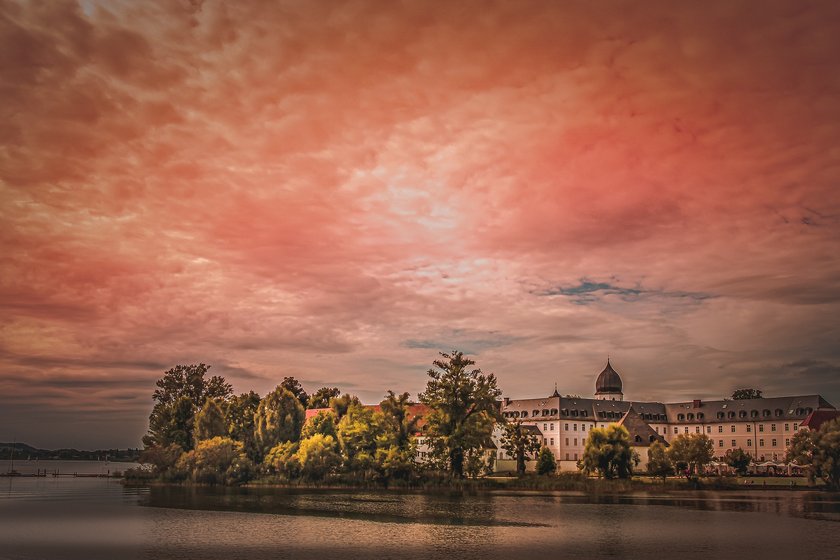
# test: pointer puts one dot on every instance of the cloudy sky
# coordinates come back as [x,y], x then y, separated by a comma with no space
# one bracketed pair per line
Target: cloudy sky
[339,190]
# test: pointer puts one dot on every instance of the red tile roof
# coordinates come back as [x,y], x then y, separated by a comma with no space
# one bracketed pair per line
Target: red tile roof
[819,417]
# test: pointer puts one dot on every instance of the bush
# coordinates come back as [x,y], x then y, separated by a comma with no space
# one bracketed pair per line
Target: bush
[546,463]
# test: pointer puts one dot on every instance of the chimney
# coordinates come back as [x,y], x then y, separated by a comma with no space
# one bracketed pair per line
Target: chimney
[696,403]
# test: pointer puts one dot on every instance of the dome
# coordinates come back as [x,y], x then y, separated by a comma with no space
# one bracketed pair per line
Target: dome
[608,381]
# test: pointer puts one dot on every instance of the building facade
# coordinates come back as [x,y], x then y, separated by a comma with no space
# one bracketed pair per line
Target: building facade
[762,427]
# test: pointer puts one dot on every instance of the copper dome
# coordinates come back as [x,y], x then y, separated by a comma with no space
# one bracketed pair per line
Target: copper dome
[608,381]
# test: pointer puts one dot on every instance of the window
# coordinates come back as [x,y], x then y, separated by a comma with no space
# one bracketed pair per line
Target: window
[566,427]
[761,442]
[676,430]
[772,427]
[761,427]
[794,427]
[720,443]
[686,429]
[696,429]
[733,429]
[545,441]
[720,429]
[680,417]
[576,457]
[524,413]
[749,428]
[567,441]
[552,441]
[787,442]
[552,427]
[749,443]
[567,456]
[774,442]
[574,427]
[787,427]
[575,441]
[733,443]
[545,427]
[583,427]
[708,429]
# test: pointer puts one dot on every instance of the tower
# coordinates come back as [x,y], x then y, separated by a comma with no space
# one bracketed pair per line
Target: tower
[608,385]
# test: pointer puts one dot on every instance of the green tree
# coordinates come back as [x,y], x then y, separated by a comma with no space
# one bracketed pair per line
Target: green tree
[820,451]
[323,423]
[395,462]
[520,443]
[398,422]
[745,394]
[321,398]
[608,453]
[218,460]
[162,459]
[738,459]
[239,420]
[210,421]
[294,387]
[359,431]
[658,462]
[340,405]
[282,459]
[695,450]
[546,462]
[179,395]
[318,457]
[279,418]
[462,409]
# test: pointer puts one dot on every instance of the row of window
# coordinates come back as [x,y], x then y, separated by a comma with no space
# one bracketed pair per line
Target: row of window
[773,443]
[731,428]
[681,417]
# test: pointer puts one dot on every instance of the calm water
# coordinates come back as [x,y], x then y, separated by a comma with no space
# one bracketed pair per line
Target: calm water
[85,518]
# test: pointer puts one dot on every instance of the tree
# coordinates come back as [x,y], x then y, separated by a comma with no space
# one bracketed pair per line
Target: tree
[607,452]
[161,458]
[218,460]
[282,459]
[462,405]
[239,420]
[210,421]
[398,422]
[323,423]
[820,451]
[340,405]
[520,443]
[179,395]
[658,462]
[321,398]
[317,456]
[294,387]
[695,450]
[546,463]
[279,418]
[738,459]
[358,433]
[745,394]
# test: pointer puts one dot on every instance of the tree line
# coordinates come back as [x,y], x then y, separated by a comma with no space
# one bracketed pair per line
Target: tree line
[199,430]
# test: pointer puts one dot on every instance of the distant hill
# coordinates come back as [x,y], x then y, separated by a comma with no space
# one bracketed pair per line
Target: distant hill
[21,450]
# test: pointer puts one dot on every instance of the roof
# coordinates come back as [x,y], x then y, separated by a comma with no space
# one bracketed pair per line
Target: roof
[819,417]
[641,434]
[765,409]
[608,381]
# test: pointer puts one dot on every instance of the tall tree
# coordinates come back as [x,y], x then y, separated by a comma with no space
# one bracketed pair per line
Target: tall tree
[463,407]
[294,387]
[745,394]
[323,423]
[210,421]
[820,451]
[321,397]
[520,443]
[340,405]
[608,453]
[279,419]
[695,450]
[239,420]
[546,463]
[738,459]
[658,463]
[179,395]
[399,423]
[359,432]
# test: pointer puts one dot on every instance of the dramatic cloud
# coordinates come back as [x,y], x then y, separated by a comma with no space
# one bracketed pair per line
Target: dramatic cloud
[336,191]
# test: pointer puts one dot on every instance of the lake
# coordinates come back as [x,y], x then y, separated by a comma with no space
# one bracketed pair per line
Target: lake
[90,518]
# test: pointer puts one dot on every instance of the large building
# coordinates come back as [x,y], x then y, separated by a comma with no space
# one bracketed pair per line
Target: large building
[763,427]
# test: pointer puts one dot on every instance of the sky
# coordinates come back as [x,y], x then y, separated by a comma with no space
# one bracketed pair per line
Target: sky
[337,191]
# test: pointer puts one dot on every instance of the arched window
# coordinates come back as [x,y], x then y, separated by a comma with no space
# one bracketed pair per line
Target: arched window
[652,439]
[690,416]
[574,413]
[700,416]
[765,413]
[720,415]
[754,414]
[779,412]
[584,413]
[742,414]
[731,414]
[680,417]
[535,413]
[638,439]
[554,412]
[524,413]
